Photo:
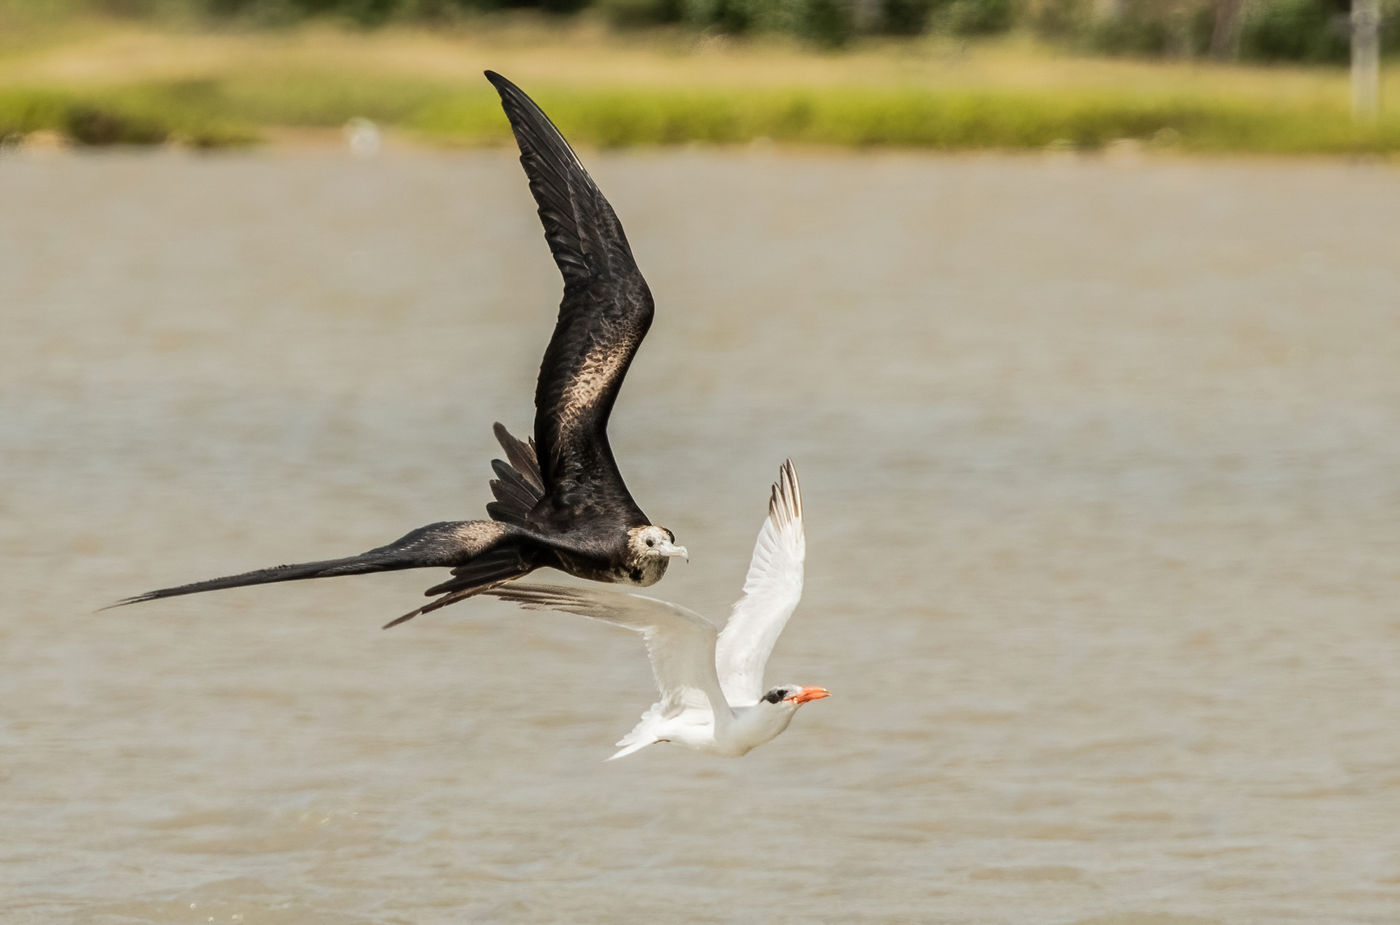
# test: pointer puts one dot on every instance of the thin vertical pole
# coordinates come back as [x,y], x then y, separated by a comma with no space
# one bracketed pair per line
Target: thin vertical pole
[1365,59]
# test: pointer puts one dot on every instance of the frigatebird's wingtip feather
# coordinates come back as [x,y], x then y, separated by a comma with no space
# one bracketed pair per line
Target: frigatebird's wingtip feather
[522,457]
[471,579]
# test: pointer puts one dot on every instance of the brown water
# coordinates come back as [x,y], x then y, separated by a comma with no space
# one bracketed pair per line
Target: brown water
[1102,466]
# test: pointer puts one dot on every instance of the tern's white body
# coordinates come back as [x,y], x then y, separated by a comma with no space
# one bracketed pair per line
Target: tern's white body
[746,728]
[711,682]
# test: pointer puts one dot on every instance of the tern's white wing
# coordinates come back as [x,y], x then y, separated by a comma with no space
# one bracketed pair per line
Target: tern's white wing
[680,642]
[771,592]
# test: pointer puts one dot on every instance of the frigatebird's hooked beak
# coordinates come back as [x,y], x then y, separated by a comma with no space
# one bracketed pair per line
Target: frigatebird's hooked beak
[671,550]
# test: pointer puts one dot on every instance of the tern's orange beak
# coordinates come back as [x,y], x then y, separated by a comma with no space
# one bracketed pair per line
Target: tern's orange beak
[810,693]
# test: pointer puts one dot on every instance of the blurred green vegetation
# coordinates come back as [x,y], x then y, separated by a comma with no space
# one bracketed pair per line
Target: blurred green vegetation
[962,120]
[1249,30]
[206,115]
[919,73]
[141,115]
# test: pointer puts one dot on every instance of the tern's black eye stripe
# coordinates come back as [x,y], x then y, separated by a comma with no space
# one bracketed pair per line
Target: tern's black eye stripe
[774,696]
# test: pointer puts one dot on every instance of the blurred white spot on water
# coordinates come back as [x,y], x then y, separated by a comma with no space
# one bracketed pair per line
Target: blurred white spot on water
[363,137]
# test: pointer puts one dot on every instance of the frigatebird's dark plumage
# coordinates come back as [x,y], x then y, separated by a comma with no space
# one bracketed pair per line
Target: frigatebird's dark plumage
[560,500]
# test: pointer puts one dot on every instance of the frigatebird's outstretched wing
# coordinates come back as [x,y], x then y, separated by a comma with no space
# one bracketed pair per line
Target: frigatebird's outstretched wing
[603,317]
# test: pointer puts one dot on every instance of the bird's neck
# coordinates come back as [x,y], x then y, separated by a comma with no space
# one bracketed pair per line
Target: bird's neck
[642,570]
[754,725]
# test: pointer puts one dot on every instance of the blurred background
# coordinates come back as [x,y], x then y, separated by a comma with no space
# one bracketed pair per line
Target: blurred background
[1260,76]
[1078,321]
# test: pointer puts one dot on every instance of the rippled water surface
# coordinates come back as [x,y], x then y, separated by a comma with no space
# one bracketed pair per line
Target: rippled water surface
[1102,466]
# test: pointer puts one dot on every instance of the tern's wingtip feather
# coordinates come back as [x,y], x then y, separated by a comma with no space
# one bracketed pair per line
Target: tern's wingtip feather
[785,499]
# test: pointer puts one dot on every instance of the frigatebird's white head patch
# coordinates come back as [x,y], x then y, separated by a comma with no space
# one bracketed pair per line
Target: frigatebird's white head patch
[649,550]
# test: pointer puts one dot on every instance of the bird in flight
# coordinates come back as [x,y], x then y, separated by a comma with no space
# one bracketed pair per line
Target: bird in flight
[560,500]
[711,681]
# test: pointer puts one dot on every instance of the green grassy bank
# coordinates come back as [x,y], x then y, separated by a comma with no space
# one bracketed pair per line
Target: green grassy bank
[948,120]
[109,86]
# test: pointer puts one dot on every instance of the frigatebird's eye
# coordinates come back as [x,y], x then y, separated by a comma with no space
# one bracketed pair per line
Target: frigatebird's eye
[651,542]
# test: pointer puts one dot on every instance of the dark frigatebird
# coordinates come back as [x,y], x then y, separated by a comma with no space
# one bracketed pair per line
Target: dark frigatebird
[560,500]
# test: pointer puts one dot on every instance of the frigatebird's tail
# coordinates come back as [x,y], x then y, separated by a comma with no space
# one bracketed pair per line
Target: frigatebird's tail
[488,571]
[436,545]
[354,565]
[518,485]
